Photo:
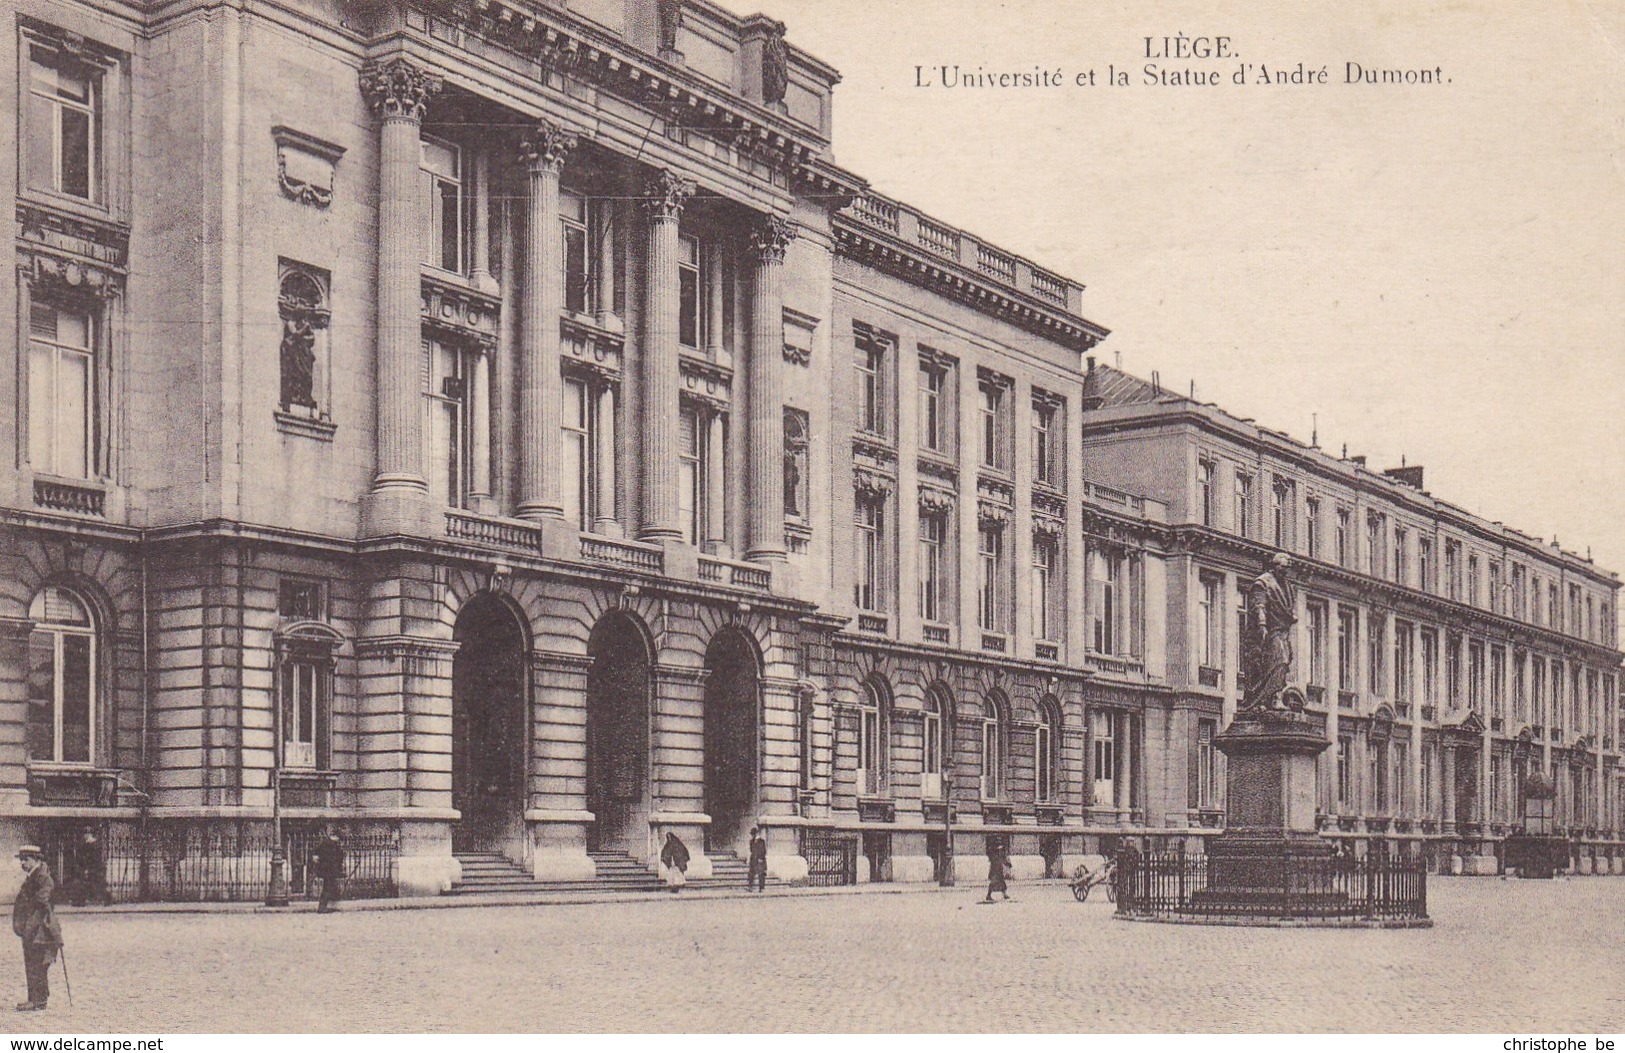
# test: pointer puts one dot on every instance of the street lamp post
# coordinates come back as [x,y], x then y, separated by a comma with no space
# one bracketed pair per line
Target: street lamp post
[276,894]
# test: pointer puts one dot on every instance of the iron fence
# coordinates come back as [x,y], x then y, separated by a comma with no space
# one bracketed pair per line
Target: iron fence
[831,859]
[1281,886]
[217,862]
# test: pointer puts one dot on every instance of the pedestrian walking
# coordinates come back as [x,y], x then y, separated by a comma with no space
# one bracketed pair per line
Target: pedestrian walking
[998,872]
[756,878]
[34,922]
[327,860]
[674,857]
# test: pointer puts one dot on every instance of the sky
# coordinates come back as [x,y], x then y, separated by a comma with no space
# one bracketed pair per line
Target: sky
[1430,271]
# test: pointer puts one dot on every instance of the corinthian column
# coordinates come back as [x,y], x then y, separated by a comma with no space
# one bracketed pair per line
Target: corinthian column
[764,382]
[543,151]
[398,93]
[667,194]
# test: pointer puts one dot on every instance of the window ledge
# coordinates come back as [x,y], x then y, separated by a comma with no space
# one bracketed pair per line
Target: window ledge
[320,429]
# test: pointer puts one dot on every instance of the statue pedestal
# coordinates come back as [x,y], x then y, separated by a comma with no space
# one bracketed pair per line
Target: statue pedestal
[1270,856]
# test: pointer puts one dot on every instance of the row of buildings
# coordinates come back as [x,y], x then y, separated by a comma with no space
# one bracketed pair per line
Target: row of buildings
[491,426]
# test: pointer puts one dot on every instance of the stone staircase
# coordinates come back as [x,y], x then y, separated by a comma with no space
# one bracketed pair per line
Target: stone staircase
[491,873]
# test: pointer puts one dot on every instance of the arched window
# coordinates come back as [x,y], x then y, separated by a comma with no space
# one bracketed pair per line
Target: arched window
[936,741]
[995,747]
[874,701]
[305,694]
[62,691]
[1046,752]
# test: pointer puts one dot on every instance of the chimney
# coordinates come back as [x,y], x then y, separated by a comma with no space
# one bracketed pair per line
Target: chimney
[1091,361]
[1358,459]
[1407,475]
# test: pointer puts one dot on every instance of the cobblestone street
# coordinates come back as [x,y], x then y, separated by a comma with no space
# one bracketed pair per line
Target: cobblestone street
[1504,956]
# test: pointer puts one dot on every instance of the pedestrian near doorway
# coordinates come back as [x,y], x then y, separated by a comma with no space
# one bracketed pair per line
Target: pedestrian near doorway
[756,877]
[674,857]
[327,860]
[998,873]
[91,883]
[34,922]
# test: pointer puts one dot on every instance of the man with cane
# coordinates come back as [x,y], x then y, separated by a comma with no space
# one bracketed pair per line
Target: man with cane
[34,922]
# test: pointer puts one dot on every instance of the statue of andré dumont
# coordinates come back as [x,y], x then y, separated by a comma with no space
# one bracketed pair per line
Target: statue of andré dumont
[1266,640]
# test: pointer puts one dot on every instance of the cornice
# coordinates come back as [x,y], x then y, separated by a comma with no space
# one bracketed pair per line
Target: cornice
[920,267]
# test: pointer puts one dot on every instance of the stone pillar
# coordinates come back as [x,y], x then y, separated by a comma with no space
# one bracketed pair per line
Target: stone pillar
[713,303]
[1447,786]
[716,490]
[480,426]
[480,269]
[543,152]
[668,193]
[398,92]
[764,383]
[556,802]
[608,522]
[677,763]
[608,220]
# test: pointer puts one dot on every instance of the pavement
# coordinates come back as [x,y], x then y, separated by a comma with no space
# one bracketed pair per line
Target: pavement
[1509,956]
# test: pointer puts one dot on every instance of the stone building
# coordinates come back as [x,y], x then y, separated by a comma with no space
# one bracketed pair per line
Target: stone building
[1453,658]
[496,428]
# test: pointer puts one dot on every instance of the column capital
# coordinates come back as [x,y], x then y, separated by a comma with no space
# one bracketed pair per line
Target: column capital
[667,193]
[546,145]
[770,236]
[399,88]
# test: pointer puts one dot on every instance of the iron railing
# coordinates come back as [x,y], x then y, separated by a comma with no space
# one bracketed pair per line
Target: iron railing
[1177,885]
[219,862]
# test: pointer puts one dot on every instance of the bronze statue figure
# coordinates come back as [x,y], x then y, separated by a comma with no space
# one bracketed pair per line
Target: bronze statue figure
[1266,639]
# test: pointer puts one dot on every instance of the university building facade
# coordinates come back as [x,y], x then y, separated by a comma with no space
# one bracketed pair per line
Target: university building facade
[483,426]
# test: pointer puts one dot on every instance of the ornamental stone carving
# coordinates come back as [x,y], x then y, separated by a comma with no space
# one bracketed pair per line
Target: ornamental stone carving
[547,145]
[302,305]
[990,514]
[775,65]
[304,166]
[934,502]
[667,194]
[1048,529]
[872,485]
[771,236]
[671,22]
[398,89]
[55,278]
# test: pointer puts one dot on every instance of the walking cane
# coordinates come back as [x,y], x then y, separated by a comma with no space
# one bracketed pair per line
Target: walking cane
[62,952]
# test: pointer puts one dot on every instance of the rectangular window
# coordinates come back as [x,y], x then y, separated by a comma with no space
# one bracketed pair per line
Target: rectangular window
[992,759]
[1473,596]
[1520,597]
[1311,526]
[576,257]
[1498,682]
[1452,570]
[1497,600]
[990,591]
[1401,781]
[1207,765]
[1554,613]
[1211,654]
[1318,622]
[871,533]
[1475,675]
[690,305]
[1376,547]
[63,133]
[1403,635]
[61,390]
[870,360]
[1348,632]
[303,688]
[1049,433]
[1043,762]
[933,419]
[931,749]
[1106,601]
[1376,653]
[1401,555]
[1430,667]
[1046,616]
[1424,563]
[932,529]
[580,452]
[301,599]
[1345,774]
[1537,688]
[1341,541]
[1281,513]
[1102,736]
[446,369]
[1377,754]
[444,204]
[869,749]
[691,472]
[1244,504]
[992,420]
[1205,481]
[1452,669]
[1520,688]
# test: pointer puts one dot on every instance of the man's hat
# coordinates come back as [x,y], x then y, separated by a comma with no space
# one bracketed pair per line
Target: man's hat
[30,852]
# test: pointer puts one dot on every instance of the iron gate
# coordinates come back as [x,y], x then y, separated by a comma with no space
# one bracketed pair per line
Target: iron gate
[831,858]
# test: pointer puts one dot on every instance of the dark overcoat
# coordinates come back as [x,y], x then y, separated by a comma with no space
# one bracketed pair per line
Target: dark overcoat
[32,918]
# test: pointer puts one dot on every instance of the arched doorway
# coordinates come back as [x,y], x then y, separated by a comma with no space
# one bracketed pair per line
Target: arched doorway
[618,735]
[489,689]
[732,701]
